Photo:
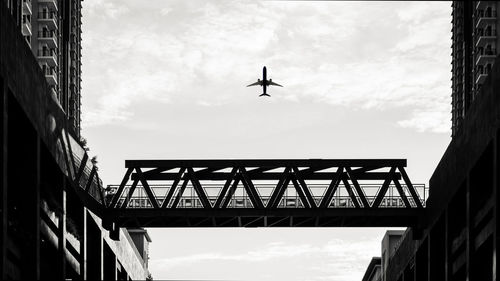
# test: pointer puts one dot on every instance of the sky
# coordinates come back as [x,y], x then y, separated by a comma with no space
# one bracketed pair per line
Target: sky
[166,80]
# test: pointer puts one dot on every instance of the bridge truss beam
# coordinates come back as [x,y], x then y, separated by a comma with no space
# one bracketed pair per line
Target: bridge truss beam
[286,192]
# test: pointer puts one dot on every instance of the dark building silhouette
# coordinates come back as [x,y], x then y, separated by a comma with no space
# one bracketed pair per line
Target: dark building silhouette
[458,236]
[474,41]
[50,229]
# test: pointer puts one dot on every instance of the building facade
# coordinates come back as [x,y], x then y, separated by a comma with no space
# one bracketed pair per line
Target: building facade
[52,29]
[379,265]
[50,226]
[457,238]
[474,41]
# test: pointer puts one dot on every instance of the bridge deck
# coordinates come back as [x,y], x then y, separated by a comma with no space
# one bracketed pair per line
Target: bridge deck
[250,217]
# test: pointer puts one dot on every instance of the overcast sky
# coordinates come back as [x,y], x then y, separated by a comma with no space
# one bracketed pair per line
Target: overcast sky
[166,80]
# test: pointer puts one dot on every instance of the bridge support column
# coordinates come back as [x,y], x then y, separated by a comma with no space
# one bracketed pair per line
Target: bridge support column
[94,249]
[468,233]
[109,262]
[496,173]
[83,246]
[4,179]
[21,212]
[62,229]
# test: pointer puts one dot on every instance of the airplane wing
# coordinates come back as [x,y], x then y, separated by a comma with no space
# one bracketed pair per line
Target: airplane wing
[256,84]
[274,84]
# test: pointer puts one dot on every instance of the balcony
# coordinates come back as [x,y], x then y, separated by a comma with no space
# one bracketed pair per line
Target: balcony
[48,37]
[53,92]
[26,7]
[480,78]
[26,29]
[48,56]
[488,55]
[487,36]
[480,4]
[49,19]
[51,4]
[486,18]
[50,75]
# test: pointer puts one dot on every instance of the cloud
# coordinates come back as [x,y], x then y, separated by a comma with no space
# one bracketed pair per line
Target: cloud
[338,259]
[366,57]
[435,121]
[106,9]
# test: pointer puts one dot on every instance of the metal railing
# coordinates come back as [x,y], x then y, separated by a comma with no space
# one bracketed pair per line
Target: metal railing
[290,199]
[47,15]
[47,53]
[47,34]
[49,71]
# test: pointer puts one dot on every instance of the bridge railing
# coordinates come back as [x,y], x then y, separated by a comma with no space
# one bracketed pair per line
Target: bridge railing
[290,199]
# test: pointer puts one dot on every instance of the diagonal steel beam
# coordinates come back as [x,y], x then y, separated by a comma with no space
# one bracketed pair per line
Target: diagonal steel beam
[147,188]
[202,221]
[91,177]
[360,192]
[305,221]
[199,189]
[172,189]
[305,188]
[252,221]
[231,191]
[82,167]
[313,169]
[328,222]
[156,171]
[330,191]
[227,221]
[250,189]
[179,194]
[101,190]
[67,161]
[410,187]
[402,193]
[71,158]
[279,189]
[383,189]
[281,192]
[299,190]
[225,188]
[261,170]
[118,193]
[129,194]
[207,171]
[366,169]
[278,221]
[351,193]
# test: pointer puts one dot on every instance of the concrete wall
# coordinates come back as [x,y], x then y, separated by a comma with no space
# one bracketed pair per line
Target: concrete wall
[126,253]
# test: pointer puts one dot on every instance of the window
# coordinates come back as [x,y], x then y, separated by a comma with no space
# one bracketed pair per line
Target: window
[488,68]
[26,19]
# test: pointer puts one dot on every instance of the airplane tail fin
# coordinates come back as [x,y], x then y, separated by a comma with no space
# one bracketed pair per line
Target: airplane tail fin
[264,95]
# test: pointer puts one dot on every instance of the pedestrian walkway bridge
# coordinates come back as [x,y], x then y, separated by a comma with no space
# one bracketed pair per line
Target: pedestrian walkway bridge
[269,193]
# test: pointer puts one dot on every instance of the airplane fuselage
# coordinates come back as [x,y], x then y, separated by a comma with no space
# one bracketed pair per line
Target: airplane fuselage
[264,79]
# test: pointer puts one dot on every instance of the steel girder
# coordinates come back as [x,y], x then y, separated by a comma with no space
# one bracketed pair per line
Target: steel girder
[264,193]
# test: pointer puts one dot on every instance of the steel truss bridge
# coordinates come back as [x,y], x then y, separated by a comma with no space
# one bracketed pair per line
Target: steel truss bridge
[265,193]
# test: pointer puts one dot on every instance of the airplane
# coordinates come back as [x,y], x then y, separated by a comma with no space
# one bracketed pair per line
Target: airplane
[264,82]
